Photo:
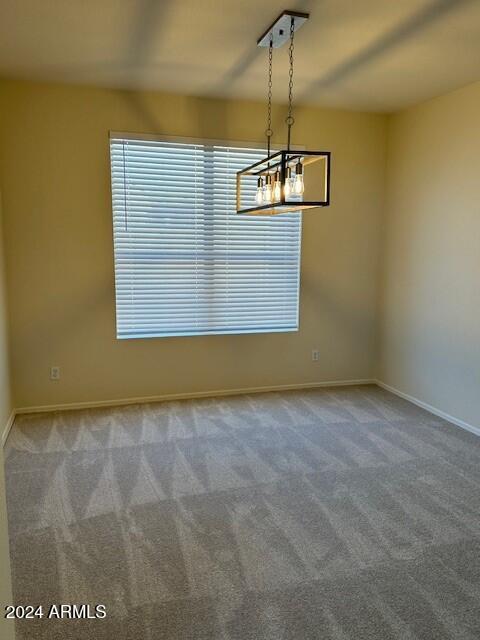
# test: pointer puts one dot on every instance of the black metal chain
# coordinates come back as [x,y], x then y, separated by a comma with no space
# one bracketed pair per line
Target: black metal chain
[268,130]
[290,119]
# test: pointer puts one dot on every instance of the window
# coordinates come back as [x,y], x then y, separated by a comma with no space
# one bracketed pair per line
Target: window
[185,262]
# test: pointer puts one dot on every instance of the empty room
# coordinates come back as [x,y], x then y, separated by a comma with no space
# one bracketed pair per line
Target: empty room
[240,320]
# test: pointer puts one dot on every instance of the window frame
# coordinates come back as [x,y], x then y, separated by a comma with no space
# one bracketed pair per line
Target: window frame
[208,142]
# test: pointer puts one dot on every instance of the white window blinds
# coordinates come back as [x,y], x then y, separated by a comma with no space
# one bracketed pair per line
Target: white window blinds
[185,262]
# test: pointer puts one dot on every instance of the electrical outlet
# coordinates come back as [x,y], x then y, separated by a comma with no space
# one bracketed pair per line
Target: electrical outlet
[315,355]
[54,373]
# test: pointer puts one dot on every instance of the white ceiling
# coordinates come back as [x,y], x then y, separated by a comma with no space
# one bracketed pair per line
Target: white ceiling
[378,55]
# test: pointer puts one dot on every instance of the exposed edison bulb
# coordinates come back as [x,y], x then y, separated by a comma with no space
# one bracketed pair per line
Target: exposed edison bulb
[298,184]
[277,187]
[288,190]
[259,193]
[268,192]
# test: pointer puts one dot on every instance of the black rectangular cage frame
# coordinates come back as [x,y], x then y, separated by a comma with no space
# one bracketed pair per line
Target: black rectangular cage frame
[279,161]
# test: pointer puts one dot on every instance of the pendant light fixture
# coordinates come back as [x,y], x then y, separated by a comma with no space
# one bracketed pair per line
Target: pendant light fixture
[278,183]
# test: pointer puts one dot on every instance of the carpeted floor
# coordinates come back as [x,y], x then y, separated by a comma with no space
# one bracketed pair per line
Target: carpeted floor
[343,514]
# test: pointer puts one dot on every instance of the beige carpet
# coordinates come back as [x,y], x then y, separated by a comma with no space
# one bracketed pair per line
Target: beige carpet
[343,514]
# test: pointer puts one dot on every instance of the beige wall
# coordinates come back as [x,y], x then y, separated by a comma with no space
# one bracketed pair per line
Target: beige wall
[430,321]
[54,171]
[5,387]
[6,628]
[54,174]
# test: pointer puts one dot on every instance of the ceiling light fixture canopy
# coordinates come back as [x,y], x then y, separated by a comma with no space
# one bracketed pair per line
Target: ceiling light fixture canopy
[277,184]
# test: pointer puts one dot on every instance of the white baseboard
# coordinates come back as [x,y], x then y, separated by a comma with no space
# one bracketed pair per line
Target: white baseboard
[428,407]
[8,426]
[233,392]
[188,396]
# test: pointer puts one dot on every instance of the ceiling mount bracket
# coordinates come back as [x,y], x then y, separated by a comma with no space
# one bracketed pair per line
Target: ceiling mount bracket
[279,31]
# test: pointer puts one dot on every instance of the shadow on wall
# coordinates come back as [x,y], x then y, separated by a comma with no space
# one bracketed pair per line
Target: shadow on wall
[151,21]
